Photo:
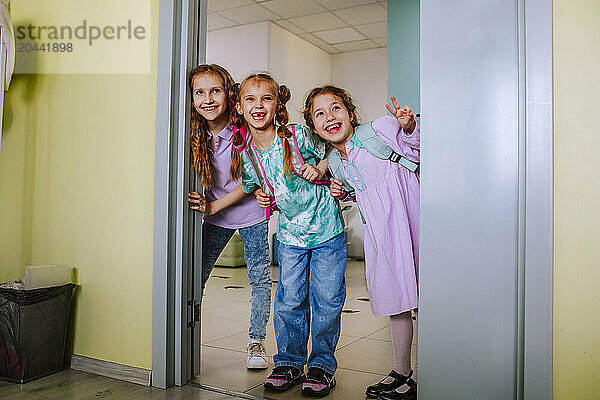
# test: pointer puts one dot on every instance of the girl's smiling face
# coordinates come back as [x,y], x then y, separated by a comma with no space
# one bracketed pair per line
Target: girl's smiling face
[210,97]
[331,118]
[258,103]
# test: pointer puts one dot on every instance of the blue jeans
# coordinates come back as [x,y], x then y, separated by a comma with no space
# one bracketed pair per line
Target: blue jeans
[256,253]
[310,277]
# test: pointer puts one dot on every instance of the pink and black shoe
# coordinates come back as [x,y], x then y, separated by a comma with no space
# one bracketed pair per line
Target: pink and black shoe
[284,378]
[318,382]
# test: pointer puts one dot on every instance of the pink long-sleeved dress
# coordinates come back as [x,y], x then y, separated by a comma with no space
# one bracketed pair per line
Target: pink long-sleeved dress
[388,197]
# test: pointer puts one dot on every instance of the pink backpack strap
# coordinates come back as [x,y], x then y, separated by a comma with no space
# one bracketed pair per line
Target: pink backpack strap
[318,182]
[295,147]
[258,167]
[296,144]
[261,176]
[244,132]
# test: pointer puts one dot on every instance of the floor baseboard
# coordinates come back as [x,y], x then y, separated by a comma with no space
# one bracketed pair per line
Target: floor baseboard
[121,372]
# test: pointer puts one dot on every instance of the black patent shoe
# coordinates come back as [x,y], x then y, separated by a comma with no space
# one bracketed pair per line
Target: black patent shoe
[375,390]
[410,394]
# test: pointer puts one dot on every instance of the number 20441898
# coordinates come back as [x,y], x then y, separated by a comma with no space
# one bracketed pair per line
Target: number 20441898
[45,47]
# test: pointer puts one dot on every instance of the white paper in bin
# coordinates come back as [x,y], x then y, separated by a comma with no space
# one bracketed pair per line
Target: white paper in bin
[40,276]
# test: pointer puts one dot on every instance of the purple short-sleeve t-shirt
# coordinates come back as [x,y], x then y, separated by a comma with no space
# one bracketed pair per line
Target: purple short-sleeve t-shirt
[244,213]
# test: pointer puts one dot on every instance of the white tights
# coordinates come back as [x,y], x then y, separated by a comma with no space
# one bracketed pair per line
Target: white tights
[401,329]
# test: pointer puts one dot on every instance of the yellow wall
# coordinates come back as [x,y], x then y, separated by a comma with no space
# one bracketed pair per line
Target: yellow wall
[77,179]
[577,199]
[16,177]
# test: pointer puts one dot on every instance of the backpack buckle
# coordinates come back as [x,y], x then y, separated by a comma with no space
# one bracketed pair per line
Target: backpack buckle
[394,157]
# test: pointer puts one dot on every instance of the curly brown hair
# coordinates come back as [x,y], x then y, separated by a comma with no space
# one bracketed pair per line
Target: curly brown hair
[335,91]
[199,135]
[282,116]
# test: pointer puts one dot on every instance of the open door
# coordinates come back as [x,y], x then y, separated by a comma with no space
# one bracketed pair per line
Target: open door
[196,227]
[175,359]
[485,329]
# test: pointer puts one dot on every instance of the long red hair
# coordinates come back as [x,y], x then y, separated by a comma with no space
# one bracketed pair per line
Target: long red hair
[199,134]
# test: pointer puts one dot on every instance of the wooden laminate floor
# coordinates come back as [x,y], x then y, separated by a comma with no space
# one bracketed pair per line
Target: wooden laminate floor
[76,385]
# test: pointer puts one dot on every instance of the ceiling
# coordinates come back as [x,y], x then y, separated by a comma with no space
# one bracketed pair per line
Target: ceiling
[336,26]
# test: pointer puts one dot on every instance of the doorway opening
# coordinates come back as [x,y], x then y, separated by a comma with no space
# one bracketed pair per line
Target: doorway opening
[455,211]
[304,45]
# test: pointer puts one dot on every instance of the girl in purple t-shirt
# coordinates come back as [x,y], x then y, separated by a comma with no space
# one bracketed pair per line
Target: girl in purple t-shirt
[387,194]
[225,206]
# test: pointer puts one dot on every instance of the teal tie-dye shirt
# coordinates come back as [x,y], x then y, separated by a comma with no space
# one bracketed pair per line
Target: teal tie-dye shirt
[308,214]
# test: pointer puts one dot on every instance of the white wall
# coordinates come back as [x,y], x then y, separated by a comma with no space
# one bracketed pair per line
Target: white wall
[265,46]
[298,64]
[363,74]
[241,50]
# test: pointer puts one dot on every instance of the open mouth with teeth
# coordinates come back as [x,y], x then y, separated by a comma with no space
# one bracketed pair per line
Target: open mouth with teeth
[333,128]
[259,115]
[209,108]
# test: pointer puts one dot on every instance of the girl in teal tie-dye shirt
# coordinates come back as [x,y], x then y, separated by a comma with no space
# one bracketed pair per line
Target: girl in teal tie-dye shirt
[312,250]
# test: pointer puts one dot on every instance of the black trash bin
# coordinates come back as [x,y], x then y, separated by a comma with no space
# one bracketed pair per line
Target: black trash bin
[33,331]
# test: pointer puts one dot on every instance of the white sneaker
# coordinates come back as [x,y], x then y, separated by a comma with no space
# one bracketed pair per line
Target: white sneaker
[257,359]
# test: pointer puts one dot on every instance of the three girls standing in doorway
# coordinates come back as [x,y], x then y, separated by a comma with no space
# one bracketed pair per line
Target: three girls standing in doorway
[284,165]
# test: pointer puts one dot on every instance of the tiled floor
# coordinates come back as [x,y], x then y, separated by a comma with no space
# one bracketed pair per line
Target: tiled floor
[364,351]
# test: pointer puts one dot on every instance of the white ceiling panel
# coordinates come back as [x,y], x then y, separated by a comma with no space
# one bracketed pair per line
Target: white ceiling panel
[330,49]
[249,14]
[363,15]
[309,37]
[337,4]
[291,9]
[288,26]
[355,46]
[332,25]
[318,22]
[374,30]
[339,35]
[218,5]
[215,21]
[382,41]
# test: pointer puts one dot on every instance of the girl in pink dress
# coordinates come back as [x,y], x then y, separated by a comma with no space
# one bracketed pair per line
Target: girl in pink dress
[387,194]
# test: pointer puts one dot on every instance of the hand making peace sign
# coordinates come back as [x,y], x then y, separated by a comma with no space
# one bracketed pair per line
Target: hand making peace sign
[404,115]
